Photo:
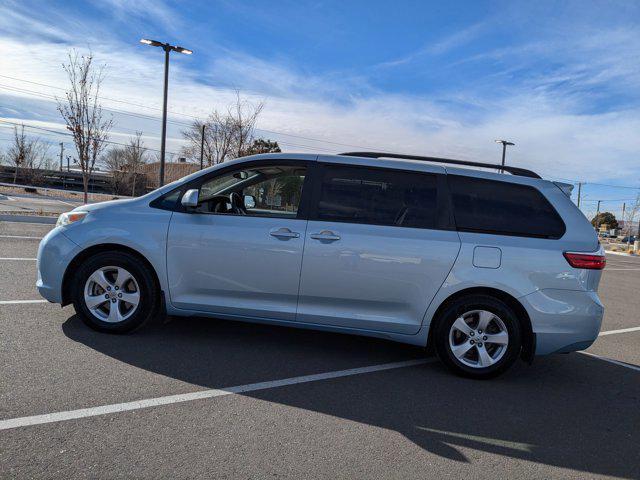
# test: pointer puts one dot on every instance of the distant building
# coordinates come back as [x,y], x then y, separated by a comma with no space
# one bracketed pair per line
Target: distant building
[622,227]
[172,172]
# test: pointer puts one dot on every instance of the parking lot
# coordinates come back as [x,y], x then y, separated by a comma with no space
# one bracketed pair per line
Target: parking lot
[217,399]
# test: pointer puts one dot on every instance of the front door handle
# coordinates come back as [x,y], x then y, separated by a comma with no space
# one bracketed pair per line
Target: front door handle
[326,235]
[283,233]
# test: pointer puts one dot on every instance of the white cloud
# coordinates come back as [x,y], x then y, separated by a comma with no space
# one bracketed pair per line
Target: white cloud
[135,10]
[450,42]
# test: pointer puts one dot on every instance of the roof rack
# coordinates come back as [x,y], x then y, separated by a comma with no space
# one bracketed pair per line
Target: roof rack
[522,172]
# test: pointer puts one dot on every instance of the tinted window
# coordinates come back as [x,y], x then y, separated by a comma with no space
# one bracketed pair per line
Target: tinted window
[377,196]
[503,208]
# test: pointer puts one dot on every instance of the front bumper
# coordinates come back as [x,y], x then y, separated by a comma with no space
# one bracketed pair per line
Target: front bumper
[54,255]
[563,320]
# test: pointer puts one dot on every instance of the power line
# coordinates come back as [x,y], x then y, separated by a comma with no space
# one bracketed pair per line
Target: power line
[274,132]
[595,183]
[616,186]
[139,105]
[114,110]
[149,117]
[33,127]
[611,200]
[111,142]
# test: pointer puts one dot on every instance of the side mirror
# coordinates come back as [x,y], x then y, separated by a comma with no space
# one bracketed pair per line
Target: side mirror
[249,201]
[190,198]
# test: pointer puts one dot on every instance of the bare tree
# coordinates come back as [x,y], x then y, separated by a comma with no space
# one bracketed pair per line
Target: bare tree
[82,112]
[244,116]
[114,161]
[135,156]
[27,153]
[226,135]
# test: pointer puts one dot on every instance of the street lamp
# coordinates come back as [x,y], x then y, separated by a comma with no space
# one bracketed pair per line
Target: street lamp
[504,149]
[167,49]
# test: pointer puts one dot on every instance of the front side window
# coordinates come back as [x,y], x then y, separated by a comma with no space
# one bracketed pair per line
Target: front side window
[378,197]
[491,206]
[270,190]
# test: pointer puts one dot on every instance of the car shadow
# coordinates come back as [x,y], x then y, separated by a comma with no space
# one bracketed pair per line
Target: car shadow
[568,411]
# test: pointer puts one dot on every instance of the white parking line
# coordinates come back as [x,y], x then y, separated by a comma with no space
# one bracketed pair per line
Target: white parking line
[611,360]
[252,387]
[15,302]
[622,330]
[188,397]
[21,236]
[18,258]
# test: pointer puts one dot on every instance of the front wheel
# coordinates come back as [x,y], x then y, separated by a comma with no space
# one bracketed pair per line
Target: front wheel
[114,292]
[478,336]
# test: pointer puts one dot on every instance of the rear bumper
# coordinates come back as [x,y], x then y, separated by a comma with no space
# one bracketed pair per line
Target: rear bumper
[54,255]
[563,320]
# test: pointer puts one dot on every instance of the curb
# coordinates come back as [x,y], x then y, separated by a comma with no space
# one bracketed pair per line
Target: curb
[29,219]
[621,253]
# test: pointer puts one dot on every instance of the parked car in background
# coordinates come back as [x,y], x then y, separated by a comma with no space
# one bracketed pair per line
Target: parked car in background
[481,267]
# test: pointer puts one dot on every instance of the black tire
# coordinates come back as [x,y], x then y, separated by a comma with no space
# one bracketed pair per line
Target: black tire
[149,292]
[471,303]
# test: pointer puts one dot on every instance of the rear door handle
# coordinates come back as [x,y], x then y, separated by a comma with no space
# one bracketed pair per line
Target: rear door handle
[283,233]
[326,235]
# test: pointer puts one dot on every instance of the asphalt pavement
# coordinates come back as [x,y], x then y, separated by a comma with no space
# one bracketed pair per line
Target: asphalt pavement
[206,398]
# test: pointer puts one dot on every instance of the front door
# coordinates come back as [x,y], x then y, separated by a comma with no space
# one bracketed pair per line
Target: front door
[240,251]
[378,248]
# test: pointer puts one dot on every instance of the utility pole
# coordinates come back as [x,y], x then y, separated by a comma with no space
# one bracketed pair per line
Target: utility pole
[68,163]
[579,192]
[204,125]
[598,217]
[61,154]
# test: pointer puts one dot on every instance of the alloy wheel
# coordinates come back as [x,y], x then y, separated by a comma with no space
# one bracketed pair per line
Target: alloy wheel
[112,294]
[478,338]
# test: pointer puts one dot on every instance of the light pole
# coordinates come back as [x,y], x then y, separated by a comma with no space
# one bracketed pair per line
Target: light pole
[504,149]
[167,49]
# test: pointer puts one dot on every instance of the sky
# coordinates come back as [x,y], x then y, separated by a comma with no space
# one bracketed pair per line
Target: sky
[559,79]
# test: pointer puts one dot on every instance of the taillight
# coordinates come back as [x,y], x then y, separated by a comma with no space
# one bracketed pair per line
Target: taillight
[585,260]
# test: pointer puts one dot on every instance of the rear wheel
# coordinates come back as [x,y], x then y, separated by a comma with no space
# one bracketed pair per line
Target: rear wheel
[114,292]
[478,336]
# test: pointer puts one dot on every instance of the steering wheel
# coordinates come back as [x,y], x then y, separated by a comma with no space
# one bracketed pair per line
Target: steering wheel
[237,205]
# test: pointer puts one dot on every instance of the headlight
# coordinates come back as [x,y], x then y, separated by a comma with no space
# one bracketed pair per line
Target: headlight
[70,217]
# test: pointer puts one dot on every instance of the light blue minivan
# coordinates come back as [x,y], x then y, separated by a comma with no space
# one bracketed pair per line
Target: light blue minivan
[480,267]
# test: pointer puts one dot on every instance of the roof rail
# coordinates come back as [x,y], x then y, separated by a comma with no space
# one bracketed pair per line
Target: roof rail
[522,172]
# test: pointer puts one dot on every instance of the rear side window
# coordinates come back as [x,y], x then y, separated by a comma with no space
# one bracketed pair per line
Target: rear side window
[377,197]
[503,208]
